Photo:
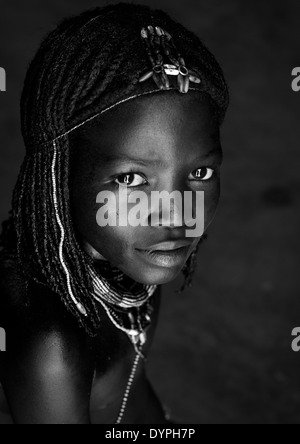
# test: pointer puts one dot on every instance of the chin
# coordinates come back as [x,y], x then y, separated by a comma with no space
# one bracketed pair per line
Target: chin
[157,277]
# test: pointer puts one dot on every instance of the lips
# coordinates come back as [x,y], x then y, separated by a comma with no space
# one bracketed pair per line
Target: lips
[168,246]
[166,254]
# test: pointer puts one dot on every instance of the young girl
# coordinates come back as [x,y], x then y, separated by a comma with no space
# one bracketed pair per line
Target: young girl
[117,98]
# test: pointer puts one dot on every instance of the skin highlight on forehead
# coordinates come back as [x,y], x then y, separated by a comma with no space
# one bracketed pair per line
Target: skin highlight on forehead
[149,121]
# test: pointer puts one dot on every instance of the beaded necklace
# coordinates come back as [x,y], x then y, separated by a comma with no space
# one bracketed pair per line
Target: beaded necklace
[129,307]
[129,311]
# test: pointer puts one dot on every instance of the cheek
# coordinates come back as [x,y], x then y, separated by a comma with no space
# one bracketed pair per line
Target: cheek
[212,198]
[110,241]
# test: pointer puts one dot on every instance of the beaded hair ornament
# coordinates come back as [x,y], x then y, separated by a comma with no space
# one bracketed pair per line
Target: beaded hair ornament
[159,43]
[130,310]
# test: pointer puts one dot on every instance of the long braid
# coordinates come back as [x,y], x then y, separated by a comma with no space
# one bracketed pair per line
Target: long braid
[87,63]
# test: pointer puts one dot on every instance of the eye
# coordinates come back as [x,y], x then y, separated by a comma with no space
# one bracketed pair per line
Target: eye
[130,180]
[202,174]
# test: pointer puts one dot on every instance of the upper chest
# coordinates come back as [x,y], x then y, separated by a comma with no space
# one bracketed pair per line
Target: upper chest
[112,346]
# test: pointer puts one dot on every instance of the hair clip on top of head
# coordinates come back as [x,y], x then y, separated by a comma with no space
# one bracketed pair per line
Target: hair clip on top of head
[159,44]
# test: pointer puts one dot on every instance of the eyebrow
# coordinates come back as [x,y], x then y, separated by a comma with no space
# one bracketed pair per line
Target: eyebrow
[113,158]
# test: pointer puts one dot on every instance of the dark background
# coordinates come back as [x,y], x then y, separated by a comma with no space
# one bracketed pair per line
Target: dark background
[223,349]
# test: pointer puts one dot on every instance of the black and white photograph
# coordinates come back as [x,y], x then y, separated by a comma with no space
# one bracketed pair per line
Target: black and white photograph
[149,214]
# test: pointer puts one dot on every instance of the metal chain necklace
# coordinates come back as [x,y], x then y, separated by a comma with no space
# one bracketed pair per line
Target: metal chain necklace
[138,338]
[134,320]
[128,388]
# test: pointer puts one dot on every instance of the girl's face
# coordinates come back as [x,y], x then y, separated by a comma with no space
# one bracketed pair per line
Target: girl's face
[161,142]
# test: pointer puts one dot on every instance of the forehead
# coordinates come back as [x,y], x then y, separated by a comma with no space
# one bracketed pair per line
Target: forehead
[155,126]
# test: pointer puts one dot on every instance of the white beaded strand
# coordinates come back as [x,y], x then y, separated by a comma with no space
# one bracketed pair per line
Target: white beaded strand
[79,306]
[128,389]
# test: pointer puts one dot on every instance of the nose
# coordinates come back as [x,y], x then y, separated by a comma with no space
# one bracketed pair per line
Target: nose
[166,211]
[175,209]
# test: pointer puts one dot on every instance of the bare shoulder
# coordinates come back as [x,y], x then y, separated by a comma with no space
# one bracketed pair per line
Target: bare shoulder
[47,369]
[34,316]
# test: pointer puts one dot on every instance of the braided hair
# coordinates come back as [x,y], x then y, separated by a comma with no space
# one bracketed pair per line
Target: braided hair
[88,63]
